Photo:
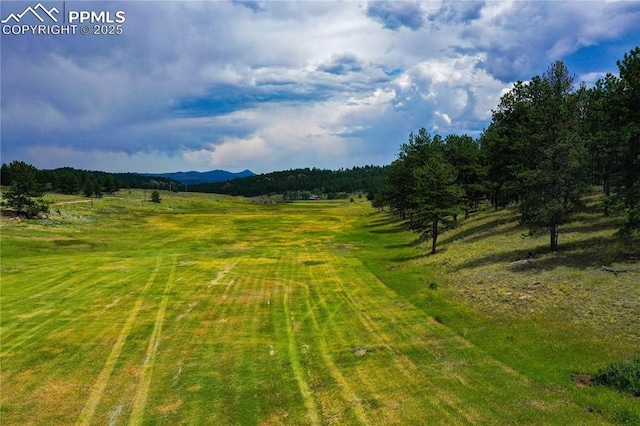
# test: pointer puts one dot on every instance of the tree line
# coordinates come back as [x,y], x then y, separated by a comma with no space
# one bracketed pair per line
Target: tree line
[548,143]
[301,183]
[67,180]
[27,184]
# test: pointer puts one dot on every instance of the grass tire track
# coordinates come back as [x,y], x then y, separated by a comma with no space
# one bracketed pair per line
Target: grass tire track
[402,363]
[101,383]
[78,289]
[348,394]
[140,399]
[296,365]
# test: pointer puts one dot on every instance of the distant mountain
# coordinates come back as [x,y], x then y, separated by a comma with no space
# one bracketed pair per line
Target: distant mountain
[193,178]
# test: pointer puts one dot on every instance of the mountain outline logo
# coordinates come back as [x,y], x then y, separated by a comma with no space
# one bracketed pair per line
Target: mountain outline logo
[33,10]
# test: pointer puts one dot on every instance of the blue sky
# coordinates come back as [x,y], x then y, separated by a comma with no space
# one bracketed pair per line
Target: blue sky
[280,84]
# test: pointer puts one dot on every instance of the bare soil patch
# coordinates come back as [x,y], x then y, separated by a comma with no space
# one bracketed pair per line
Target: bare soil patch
[583,380]
[360,352]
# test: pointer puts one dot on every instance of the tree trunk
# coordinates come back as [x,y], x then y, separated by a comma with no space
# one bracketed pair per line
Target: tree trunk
[553,234]
[434,235]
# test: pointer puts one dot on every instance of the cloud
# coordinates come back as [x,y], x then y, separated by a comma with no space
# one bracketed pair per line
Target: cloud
[342,63]
[453,12]
[277,85]
[255,6]
[453,94]
[520,39]
[232,152]
[396,14]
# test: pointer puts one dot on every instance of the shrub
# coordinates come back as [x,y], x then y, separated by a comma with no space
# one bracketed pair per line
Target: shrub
[623,376]
[155,197]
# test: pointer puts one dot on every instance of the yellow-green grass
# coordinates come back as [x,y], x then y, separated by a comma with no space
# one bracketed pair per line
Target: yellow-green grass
[547,315]
[208,309]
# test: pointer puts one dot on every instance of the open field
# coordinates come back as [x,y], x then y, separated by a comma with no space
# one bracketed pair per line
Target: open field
[208,309]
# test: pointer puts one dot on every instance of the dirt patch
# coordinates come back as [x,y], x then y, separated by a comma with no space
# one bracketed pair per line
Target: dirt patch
[583,380]
[360,352]
[169,407]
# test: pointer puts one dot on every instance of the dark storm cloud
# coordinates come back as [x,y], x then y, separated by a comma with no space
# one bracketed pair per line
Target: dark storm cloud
[342,63]
[456,12]
[396,14]
[274,85]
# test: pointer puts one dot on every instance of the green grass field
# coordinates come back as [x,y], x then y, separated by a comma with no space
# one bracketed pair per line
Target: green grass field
[214,310]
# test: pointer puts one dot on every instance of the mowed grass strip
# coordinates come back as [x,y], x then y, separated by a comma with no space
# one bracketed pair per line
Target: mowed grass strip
[98,388]
[548,316]
[213,310]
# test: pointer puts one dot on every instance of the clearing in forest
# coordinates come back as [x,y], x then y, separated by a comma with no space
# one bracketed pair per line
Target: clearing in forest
[214,310]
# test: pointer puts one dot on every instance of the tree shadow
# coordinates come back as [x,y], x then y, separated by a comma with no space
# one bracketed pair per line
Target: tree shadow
[400,227]
[383,221]
[587,228]
[407,258]
[477,232]
[414,243]
[585,254]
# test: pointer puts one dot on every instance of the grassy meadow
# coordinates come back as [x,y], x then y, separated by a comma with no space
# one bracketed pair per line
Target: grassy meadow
[208,309]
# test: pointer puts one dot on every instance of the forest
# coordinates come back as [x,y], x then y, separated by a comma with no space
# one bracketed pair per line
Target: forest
[550,142]
[67,180]
[301,183]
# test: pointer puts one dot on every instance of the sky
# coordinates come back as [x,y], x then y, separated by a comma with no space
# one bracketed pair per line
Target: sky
[277,85]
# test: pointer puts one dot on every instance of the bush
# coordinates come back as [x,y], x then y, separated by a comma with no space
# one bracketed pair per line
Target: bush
[623,376]
[155,197]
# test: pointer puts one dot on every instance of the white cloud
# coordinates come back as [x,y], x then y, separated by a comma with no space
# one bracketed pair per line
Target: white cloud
[232,152]
[456,91]
[285,84]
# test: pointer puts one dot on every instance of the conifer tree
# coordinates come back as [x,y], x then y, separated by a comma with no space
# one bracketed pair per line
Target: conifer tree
[25,192]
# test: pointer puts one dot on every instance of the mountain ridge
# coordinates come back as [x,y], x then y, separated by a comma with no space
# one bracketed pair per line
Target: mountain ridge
[193,177]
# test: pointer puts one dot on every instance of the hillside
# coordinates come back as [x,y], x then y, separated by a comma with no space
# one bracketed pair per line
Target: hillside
[552,316]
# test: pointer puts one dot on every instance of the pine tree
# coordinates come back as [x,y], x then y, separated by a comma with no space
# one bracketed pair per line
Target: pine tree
[25,192]
[553,177]
[155,197]
[438,197]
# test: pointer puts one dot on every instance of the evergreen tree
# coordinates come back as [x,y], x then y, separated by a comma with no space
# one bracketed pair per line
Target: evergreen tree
[463,153]
[423,185]
[604,130]
[629,68]
[25,190]
[438,196]
[5,175]
[68,182]
[155,197]
[88,188]
[553,178]
[110,184]
[503,145]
